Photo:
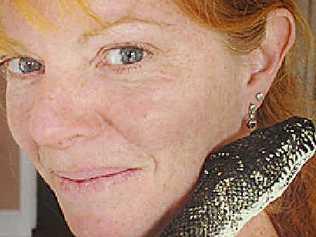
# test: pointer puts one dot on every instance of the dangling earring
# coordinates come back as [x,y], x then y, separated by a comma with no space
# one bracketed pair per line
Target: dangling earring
[252,122]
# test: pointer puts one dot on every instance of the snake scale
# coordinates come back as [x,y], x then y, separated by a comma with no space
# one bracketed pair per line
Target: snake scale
[242,178]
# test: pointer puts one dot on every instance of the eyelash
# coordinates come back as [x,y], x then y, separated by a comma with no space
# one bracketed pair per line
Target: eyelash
[123,68]
[119,68]
[5,60]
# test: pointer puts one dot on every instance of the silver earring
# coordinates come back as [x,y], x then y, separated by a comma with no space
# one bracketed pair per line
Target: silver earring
[259,96]
[252,122]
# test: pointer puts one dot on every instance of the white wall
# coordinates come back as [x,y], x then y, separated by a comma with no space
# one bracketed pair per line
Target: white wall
[20,223]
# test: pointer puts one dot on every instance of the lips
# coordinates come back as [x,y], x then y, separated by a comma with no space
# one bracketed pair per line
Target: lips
[83,185]
[90,174]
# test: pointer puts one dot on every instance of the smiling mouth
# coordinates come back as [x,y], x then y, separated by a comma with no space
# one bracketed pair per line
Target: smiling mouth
[82,184]
[81,177]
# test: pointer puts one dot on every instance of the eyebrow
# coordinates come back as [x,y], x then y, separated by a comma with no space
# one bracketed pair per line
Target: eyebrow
[85,37]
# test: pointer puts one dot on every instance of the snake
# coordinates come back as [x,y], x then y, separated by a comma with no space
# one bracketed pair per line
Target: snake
[240,179]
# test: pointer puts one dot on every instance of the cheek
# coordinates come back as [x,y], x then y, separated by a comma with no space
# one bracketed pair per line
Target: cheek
[166,115]
[18,105]
[190,112]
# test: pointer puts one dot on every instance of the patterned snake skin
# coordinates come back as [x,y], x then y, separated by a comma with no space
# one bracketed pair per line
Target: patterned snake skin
[241,179]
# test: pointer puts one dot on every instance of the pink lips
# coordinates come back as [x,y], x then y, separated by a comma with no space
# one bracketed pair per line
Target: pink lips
[80,185]
[90,174]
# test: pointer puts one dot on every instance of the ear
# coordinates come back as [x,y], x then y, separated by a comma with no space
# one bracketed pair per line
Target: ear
[265,61]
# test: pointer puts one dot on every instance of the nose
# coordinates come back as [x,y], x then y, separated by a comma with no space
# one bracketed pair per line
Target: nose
[58,120]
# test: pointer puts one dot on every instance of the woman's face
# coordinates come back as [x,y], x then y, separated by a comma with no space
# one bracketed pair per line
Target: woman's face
[157,111]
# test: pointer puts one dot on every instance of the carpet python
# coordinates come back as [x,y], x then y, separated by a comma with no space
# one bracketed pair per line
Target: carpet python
[242,178]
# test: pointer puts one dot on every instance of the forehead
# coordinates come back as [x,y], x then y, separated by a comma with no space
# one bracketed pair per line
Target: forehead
[15,21]
[145,8]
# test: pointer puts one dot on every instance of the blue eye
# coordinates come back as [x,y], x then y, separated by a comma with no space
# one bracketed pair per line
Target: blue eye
[24,65]
[127,55]
[127,58]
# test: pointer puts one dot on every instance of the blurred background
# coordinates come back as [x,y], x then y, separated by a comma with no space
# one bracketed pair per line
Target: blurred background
[27,205]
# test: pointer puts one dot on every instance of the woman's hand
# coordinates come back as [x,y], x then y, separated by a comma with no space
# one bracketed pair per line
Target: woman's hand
[241,179]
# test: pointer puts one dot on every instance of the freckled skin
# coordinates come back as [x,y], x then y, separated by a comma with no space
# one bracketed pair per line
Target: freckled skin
[163,117]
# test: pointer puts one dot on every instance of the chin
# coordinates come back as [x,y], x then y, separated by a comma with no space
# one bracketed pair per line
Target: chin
[87,226]
[106,221]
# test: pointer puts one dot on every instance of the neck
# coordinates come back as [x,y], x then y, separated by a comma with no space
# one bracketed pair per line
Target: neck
[258,226]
